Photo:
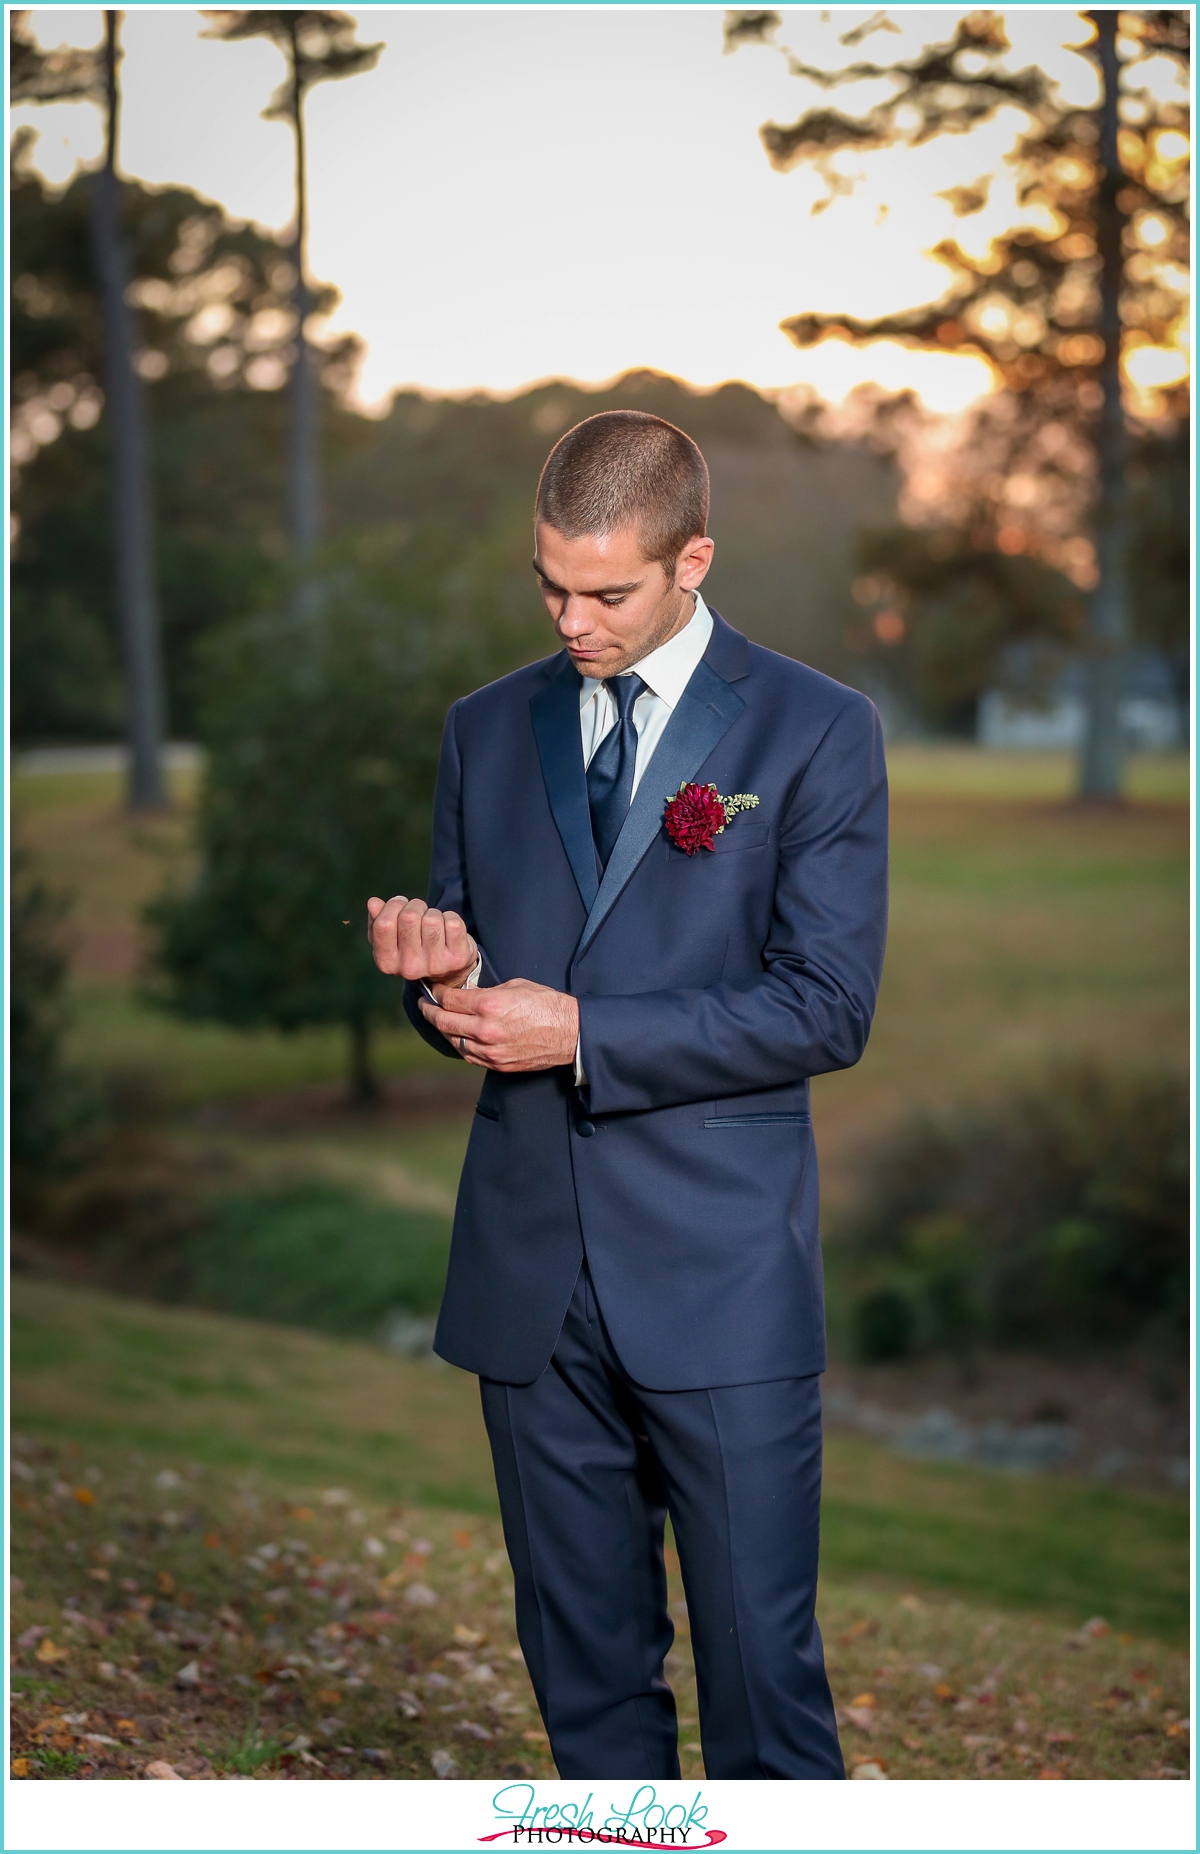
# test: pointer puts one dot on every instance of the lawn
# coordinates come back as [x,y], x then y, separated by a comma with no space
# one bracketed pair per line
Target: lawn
[249,1551]
[1024,929]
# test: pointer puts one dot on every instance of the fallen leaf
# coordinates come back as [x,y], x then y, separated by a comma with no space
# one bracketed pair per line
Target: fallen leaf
[129,1726]
[443,1764]
[861,1716]
[48,1652]
[1050,1773]
[212,1541]
[85,1496]
[515,1654]
[1095,1627]
[19,1767]
[160,1768]
[870,1770]
[864,1699]
[166,1582]
[100,1574]
[470,1638]
[535,1738]
[420,1596]
[943,1692]
[409,1705]
[188,1676]
[1060,1738]
[470,1730]
[463,1540]
[329,1696]
[302,1512]
[32,1635]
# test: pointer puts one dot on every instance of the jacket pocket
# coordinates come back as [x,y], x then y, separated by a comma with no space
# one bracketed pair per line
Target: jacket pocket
[487,1113]
[759,1120]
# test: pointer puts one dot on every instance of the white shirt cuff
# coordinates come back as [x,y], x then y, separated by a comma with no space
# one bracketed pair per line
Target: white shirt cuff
[473,981]
[580,1077]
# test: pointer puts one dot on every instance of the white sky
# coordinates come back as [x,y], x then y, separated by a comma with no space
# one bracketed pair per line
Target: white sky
[515,194]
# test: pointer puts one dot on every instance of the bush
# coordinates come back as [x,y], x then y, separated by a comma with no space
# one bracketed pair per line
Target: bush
[318,1256]
[48,1104]
[1059,1217]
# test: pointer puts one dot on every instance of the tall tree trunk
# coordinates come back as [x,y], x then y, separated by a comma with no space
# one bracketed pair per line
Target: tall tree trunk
[137,596]
[364,1084]
[304,519]
[1109,625]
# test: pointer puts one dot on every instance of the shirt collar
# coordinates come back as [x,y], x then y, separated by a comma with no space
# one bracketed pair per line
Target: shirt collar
[667,670]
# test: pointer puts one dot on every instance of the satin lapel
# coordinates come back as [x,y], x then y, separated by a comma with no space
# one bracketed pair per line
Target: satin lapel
[554,711]
[707,708]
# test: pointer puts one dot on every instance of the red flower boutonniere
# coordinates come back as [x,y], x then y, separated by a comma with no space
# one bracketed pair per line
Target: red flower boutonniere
[697,814]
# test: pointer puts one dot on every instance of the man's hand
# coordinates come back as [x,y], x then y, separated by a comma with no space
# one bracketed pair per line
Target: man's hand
[412,941]
[517,1025]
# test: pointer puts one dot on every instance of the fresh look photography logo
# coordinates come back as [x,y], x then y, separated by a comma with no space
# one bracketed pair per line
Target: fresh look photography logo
[643,1822]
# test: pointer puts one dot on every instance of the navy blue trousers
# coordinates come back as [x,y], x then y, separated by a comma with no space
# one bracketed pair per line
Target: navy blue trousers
[588,1464]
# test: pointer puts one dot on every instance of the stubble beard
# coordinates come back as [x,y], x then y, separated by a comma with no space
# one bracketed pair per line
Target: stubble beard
[682,608]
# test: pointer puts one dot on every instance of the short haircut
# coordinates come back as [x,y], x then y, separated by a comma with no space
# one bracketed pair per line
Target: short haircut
[627,470]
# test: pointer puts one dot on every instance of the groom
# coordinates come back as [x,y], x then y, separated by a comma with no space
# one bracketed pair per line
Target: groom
[649,975]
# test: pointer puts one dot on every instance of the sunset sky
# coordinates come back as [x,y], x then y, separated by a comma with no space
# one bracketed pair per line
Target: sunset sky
[515,194]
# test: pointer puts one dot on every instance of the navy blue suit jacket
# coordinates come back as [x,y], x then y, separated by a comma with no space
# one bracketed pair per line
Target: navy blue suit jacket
[710,987]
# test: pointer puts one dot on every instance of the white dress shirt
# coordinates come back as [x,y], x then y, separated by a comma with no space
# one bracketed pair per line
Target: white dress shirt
[666,673]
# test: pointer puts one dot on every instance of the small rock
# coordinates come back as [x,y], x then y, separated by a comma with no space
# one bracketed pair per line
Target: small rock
[189,1675]
[444,1764]
[872,1770]
[161,1769]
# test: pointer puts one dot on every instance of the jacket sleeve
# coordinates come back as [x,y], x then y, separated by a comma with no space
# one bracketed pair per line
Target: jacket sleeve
[447,875]
[810,1010]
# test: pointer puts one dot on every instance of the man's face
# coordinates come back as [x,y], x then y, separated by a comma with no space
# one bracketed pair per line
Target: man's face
[610,605]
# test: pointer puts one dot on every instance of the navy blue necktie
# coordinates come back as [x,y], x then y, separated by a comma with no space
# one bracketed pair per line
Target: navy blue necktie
[610,771]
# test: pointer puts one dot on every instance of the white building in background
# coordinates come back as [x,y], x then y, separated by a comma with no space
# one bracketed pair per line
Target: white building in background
[1152,718]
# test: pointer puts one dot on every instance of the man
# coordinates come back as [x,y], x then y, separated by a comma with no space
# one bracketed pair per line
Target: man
[635,1269]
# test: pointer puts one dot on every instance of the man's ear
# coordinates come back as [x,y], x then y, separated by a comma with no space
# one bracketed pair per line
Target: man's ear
[694,560]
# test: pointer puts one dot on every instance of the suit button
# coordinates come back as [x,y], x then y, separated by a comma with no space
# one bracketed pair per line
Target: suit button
[585,1128]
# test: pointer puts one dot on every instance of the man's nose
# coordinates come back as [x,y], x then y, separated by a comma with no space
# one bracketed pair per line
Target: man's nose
[574,618]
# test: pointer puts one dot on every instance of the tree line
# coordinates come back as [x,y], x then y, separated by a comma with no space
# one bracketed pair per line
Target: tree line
[316,587]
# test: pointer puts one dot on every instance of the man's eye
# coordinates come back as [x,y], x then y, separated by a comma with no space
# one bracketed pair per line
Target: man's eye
[610,603]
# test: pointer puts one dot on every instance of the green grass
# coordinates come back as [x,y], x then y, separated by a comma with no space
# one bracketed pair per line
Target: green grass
[111,1373]
[303,1409]
[966,771]
[1034,1543]
[113,1029]
[321,1257]
[193,1489]
[1023,929]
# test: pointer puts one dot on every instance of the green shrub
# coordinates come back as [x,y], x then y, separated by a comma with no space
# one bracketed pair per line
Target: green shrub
[318,1256]
[1061,1216]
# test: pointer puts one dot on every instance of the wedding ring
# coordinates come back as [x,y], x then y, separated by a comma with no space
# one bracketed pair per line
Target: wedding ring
[462,1044]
